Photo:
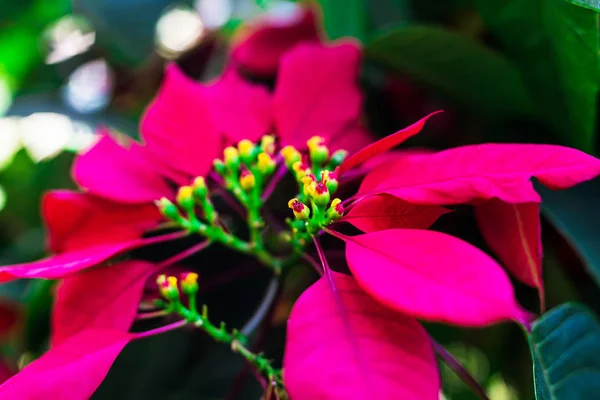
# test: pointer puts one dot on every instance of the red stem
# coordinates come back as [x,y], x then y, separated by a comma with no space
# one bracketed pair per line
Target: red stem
[184,254]
[459,370]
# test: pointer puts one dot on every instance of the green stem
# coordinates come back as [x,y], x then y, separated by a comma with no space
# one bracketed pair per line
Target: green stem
[234,339]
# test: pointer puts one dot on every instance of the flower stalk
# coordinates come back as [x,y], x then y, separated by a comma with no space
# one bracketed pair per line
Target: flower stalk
[170,291]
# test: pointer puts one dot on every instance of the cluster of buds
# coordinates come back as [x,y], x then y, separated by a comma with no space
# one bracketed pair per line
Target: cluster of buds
[315,191]
[246,167]
[188,197]
[169,288]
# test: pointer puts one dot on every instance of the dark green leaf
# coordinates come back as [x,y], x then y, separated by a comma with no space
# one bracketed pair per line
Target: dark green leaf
[555,45]
[466,72]
[591,4]
[565,347]
[575,214]
[344,18]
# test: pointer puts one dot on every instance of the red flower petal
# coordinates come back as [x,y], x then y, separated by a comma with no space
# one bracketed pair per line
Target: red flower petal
[179,127]
[72,370]
[71,262]
[317,92]
[341,344]
[65,264]
[114,172]
[78,220]
[463,174]
[261,51]
[102,298]
[513,232]
[382,212]
[241,110]
[432,276]
[384,144]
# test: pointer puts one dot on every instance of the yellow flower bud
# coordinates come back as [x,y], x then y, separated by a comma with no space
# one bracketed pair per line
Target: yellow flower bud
[300,209]
[290,155]
[246,148]
[231,157]
[247,181]
[268,144]
[185,197]
[266,164]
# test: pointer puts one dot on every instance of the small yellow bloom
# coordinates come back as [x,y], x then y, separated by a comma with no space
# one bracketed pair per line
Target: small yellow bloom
[247,181]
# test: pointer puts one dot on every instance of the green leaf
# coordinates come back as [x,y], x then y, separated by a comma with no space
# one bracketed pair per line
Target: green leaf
[344,18]
[591,4]
[468,73]
[565,347]
[575,214]
[555,45]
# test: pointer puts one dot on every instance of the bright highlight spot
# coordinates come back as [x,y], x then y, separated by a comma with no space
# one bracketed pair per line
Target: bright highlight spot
[89,87]
[44,135]
[70,36]
[9,140]
[214,13]
[178,30]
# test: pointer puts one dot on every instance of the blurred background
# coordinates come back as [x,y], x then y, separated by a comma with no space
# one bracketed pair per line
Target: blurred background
[504,71]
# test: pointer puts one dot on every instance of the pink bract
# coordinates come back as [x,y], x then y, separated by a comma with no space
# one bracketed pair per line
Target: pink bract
[376,213]
[513,232]
[464,174]
[102,298]
[432,276]
[341,344]
[72,370]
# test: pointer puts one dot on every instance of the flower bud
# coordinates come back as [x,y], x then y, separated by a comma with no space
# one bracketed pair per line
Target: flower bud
[199,186]
[300,170]
[330,179]
[319,194]
[300,210]
[336,210]
[220,167]
[185,197]
[318,152]
[189,283]
[246,149]
[231,158]
[290,156]
[265,164]
[247,180]
[167,286]
[267,144]
[168,209]
[309,182]
[337,158]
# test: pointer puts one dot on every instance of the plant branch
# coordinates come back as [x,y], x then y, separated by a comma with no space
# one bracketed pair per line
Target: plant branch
[459,370]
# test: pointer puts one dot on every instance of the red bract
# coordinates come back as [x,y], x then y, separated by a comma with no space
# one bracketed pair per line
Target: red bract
[513,232]
[260,50]
[343,345]
[497,179]
[382,212]
[72,370]
[432,276]
[100,298]
[85,231]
